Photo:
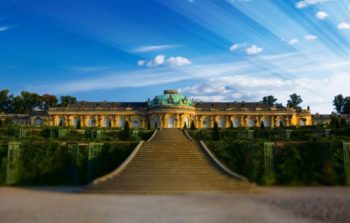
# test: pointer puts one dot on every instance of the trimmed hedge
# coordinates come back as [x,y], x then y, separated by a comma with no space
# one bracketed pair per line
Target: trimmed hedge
[50,163]
[302,163]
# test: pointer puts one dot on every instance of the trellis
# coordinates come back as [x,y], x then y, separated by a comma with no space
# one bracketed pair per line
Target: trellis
[94,151]
[288,133]
[100,133]
[23,133]
[268,158]
[62,133]
[250,134]
[73,150]
[14,153]
[346,148]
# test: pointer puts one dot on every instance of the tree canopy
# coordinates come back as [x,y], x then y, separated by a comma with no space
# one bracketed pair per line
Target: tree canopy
[341,104]
[269,100]
[27,101]
[294,101]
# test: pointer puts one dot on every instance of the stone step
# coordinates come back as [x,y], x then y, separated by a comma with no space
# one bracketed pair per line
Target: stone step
[169,163]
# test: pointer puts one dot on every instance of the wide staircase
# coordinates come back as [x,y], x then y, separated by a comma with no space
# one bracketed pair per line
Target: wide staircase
[169,163]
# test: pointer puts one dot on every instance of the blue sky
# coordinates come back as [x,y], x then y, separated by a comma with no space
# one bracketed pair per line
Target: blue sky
[218,50]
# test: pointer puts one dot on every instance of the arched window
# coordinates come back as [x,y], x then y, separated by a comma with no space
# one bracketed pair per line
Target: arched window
[171,122]
[38,122]
[251,122]
[221,123]
[267,122]
[186,122]
[92,122]
[206,122]
[75,122]
[155,122]
[136,122]
[106,122]
[236,123]
[121,122]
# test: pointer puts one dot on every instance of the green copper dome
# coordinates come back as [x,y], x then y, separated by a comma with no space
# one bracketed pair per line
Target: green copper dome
[170,98]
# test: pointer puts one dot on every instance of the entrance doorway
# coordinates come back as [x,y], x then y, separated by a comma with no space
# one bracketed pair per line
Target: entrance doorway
[171,122]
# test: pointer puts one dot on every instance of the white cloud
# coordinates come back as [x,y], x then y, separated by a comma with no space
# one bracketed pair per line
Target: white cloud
[321,15]
[306,3]
[178,61]
[253,88]
[141,62]
[4,28]
[253,49]
[162,60]
[152,48]
[310,38]
[293,41]
[343,25]
[235,47]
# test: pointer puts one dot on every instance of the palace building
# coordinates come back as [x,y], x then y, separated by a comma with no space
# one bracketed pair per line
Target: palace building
[172,110]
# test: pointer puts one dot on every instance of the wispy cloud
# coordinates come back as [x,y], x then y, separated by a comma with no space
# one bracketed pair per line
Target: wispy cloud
[253,50]
[4,28]
[248,49]
[163,60]
[321,15]
[310,38]
[343,25]
[152,48]
[306,3]
[293,41]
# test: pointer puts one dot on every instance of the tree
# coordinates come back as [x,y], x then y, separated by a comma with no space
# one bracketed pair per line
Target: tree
[148,124]
[231,125]
[125,133]
[4,101]
[67,100]
[0,123]
[346,108]
[295,101]
[17,105]
[49,101]
[31,100]
[193,126]
[185,126]
[262,125]
[269,100]
[78,124]
[216,133]
[338,103]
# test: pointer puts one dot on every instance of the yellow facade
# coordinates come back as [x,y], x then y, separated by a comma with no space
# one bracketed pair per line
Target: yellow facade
[174,111]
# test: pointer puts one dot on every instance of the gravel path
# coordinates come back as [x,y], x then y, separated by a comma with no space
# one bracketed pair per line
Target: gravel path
[280,205]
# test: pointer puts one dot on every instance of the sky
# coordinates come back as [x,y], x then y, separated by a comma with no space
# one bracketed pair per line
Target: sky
[210,50]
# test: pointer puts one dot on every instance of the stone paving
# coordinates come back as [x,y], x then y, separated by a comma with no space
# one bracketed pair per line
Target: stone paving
[280,205]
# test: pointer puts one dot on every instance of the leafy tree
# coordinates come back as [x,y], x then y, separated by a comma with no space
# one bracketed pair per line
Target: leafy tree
[78,124]
[269,100]
[31,100]
[346,109]
[185,126]
[334,121]
[338,103]
[17,105]
[216,133]
[148,124]
[295,101]
[67,100]
[262,125]
[4,100]
[125,133]
[231,125]
[49,101]
[193,126]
